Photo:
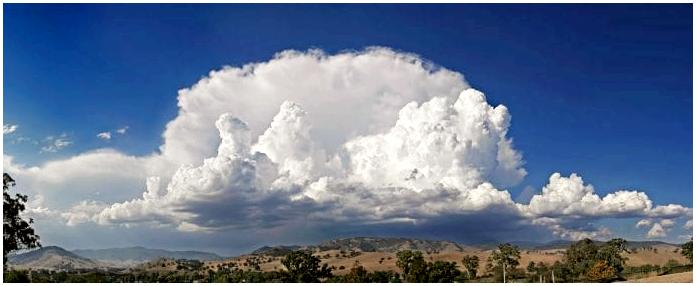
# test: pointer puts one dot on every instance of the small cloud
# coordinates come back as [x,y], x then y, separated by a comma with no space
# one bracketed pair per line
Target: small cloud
[657,231]
[55,144]
[689,224]
[9,128]
[667,223]
[643,223]
[122,130]
[106,136]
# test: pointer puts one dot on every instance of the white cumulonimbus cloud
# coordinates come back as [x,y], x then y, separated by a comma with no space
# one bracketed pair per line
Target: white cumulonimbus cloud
[359,137]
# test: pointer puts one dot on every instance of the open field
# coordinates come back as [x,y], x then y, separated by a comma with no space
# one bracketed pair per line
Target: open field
[684,277]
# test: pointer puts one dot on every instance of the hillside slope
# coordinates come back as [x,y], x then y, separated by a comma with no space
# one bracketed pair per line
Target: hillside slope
[53,258]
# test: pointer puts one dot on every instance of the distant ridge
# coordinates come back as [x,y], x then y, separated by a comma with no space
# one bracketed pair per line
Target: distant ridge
[137,254]
[367,244]
[387,244]
[280,250]
[562,244]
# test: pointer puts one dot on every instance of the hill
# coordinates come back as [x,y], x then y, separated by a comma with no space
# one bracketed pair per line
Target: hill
[379,253]
[280,250]
[380,244]
[133,255]
[53,258]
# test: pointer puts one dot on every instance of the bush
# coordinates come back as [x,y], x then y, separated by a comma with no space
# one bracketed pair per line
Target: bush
[601,272]
[16,276]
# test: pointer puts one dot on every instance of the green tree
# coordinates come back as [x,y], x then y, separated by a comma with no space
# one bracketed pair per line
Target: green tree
[561,272]
[687,250]
[531,271]
[580,257]
[16,276]
[304,267]
[412,265]
[531,267]
[611,253]
[471,264]
[672,264]
[505,259]
[384,277]
[357,274]
[17,232]
[442,272]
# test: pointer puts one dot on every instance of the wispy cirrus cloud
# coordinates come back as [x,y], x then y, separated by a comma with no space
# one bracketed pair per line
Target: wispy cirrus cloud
[9,128]
[122,130]
[107,135]
[54,144]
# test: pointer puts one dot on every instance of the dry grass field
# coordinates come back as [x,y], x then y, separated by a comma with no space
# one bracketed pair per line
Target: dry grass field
[383,261]
[684,277]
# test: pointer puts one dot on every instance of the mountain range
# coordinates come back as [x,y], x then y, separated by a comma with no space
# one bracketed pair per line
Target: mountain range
[57,258]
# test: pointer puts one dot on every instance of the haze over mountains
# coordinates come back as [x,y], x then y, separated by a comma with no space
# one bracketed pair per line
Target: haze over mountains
[141,254]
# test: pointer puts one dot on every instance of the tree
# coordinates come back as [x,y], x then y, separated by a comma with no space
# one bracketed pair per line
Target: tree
[442,272]
[672,264]
[17,232]
[357,274]
[471,264]
[561,272]
[412,265]
[531,267]
[505,259]
[536,271]
[601,271]
[611,253]
[580,257]
[384,277]
[687,250]
[304,267]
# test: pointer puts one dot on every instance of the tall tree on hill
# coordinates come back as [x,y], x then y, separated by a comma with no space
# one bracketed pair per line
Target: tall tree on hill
[17,232]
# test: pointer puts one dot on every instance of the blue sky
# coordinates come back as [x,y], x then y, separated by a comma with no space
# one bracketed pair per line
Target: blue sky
[601,90]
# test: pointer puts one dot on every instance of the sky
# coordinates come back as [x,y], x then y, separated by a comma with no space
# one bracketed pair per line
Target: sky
[303,114]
